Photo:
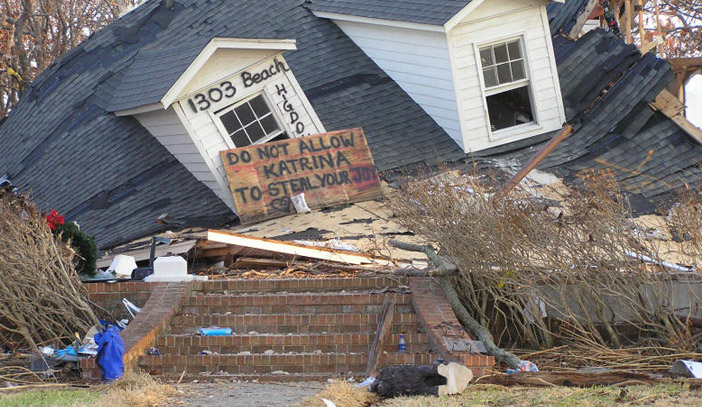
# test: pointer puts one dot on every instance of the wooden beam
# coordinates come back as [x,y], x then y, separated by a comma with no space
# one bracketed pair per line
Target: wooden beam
[669,105]
[627,21]
[545,150]
[582,19]
[277,247]
[651,45]
[381,335]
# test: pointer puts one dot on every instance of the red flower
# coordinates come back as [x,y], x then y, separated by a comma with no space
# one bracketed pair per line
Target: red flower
[54,220]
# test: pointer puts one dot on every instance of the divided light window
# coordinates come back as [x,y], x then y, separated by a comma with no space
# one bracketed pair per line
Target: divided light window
[506,84]
[250,122]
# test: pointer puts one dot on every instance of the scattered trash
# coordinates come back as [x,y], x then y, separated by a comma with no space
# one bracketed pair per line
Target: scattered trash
[214,331]
[300,203]
[524,366]
[365,383]
[131,308]
[110,353]
[402,346]
[153,351]
[328,403]
[122,266]
[687,368]
[441,378]
[208,352]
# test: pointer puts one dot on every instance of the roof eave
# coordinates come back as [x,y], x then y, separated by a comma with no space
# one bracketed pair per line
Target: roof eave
[378,21]
[222,43]
[461,15]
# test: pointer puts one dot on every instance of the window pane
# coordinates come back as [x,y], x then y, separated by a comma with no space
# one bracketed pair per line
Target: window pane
[518,70]
[245,114]
[501,53]
[510,108]
[255,132]
[240,140]
[514,51]
[259,105]
[503,73]
[486,57]
[490,76]
[269,124]
[230,122]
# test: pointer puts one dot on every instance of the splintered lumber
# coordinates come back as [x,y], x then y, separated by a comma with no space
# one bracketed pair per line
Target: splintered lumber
[254,263]
[381,335]
[582,19]
[545,150]
[276,247]
[570,379]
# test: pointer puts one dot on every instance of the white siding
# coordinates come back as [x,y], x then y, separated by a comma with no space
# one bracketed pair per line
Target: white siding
[418,61]
[497,20]
[206,134]
[167,128]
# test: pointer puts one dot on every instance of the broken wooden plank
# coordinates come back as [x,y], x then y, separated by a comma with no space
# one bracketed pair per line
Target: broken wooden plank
[582,19]
[670,106]
[381,335]
[571,379]
[276,247]
[651,45]
[257,263]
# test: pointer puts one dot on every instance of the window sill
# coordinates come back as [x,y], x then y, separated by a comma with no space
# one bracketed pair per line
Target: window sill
[525,129]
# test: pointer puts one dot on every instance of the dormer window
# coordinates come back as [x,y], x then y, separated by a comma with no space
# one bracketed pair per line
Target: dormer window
[506,83]
[249,122]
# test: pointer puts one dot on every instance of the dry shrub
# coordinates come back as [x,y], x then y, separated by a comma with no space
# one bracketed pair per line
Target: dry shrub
[135,390]
[581,262]
[342,394]
[41,297]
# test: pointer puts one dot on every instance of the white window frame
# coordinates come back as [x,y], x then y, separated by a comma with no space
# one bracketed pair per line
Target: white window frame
[215,116]
[493,90]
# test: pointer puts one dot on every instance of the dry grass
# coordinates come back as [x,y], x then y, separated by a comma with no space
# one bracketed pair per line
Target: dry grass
[133,390]
[667,395]
[342,394]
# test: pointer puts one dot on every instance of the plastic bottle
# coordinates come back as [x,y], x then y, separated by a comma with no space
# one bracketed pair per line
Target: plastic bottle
[402,346]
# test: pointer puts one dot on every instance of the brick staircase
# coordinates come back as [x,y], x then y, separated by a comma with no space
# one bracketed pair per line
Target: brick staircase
[287,330]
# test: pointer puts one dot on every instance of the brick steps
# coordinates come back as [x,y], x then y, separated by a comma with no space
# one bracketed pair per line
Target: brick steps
[294,323]
[328,364]
[296,303]
[299,285]
[305,343]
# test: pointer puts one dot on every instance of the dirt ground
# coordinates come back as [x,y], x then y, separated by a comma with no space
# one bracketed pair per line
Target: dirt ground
[243,394]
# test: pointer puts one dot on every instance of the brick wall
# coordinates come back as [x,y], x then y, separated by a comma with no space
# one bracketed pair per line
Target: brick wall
[440,323]
[109,295]
[163,303]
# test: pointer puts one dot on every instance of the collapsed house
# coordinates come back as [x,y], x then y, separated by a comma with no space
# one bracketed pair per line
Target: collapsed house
[123,134]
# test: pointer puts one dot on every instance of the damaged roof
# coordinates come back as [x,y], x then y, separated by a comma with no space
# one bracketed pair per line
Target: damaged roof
[433,12]
[607,87]
[109,174]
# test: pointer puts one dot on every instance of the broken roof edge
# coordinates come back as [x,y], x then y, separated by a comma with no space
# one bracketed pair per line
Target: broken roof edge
[218,43]
[378,21]
[198,62]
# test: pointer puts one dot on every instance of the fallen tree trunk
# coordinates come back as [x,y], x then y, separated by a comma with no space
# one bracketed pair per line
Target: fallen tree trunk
[570,379]
[444,269]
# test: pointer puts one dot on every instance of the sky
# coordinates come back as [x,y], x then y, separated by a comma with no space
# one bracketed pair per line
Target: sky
[693,102]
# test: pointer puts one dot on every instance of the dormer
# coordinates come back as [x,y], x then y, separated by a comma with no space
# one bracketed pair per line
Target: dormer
[224,94]
[484,70]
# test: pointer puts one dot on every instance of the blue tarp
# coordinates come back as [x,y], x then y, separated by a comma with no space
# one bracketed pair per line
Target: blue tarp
[110,352]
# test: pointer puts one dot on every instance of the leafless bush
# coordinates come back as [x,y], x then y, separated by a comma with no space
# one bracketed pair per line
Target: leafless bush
[538,275]
[41,297]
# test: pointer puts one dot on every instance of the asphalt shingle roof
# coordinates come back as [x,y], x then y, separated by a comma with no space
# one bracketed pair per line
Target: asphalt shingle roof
[433,12]
[63,145]
[607,87]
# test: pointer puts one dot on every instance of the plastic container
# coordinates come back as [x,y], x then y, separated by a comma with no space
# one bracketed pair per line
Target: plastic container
[402,346]
[215,331]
